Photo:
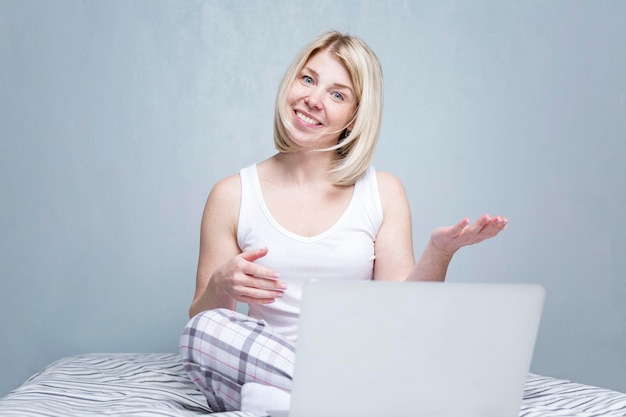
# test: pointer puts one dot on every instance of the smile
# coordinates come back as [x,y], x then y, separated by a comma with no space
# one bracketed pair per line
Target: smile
[306,119]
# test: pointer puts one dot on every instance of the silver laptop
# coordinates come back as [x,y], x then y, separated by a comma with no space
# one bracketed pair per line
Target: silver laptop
[413,349]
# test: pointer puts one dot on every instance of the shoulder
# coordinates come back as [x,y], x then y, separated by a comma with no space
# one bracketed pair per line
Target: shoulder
[389,185]
[387,178]
[225,195]
[392,195]
[228,187]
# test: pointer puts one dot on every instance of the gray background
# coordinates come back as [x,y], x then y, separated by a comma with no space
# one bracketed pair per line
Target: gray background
[116,118]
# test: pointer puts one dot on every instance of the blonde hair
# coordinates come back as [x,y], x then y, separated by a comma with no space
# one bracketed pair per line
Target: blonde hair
[355,149]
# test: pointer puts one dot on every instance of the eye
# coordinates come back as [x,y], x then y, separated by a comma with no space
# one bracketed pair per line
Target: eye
[306,79]
[337,96]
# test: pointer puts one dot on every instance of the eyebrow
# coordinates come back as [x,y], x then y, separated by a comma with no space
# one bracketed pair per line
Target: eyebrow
[340,86]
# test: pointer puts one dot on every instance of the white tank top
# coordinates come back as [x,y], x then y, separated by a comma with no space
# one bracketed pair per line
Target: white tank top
[343,252]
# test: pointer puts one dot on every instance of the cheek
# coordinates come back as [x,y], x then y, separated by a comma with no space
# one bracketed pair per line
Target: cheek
[346,116]
[294,93]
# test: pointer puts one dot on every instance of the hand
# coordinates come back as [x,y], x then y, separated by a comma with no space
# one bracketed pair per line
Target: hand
[248,282]
[451,238]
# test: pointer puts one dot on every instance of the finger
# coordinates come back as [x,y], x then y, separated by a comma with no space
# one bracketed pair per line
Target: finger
[503,221]
[481,231]
[499,221]
[262,272]
[460,226]
[249,300]
[484,220]
[256,295]
[253,255]
[494,227]
[257,270]
[267,283]
[480,224]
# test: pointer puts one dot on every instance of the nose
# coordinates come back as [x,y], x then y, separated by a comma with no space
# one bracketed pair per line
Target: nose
[315,98]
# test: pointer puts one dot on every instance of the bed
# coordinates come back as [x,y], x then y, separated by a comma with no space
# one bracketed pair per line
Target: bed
[155,384]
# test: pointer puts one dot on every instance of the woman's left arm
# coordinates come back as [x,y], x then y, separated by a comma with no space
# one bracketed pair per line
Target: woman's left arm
[445,241]
[394,245]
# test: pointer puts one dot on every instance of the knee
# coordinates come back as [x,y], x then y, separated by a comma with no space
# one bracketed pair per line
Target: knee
[219,319]
[204,330]
[196,328]
[207,317]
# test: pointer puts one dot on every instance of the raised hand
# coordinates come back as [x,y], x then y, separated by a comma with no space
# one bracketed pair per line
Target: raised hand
[449,239]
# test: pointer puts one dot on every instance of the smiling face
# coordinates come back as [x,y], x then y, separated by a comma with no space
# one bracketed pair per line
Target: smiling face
[314,108]
[321,102]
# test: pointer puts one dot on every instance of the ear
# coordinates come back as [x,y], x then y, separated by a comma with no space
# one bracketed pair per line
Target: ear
[346,132]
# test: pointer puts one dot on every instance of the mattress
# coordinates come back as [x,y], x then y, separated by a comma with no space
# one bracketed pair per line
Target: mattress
[155,384]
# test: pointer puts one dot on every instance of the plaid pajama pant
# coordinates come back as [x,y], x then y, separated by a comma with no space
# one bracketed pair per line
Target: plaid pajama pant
[222,349]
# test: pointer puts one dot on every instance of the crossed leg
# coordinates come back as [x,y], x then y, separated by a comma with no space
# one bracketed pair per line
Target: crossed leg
[222,350]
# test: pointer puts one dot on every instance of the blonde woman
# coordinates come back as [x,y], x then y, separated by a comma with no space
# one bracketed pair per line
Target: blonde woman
[315,210]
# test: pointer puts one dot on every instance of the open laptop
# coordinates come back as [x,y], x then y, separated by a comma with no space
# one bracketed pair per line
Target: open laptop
[389,349]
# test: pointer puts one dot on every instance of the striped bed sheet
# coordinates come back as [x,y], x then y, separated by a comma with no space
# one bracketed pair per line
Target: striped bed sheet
[155,384]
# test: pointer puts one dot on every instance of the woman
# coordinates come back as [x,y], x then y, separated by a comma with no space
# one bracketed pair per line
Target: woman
[316,209]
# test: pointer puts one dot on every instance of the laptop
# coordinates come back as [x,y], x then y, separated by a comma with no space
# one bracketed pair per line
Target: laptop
[413,349]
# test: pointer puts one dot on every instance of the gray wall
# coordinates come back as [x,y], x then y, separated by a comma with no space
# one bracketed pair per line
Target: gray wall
[116,118]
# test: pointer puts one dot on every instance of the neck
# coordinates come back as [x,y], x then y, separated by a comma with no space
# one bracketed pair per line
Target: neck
[305,166]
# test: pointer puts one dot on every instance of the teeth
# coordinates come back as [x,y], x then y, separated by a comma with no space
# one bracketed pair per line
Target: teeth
[306,119]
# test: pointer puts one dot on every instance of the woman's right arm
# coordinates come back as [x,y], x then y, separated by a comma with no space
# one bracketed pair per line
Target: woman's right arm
[226,275]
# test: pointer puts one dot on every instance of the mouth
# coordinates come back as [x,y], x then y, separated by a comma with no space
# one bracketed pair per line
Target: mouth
[307,119]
